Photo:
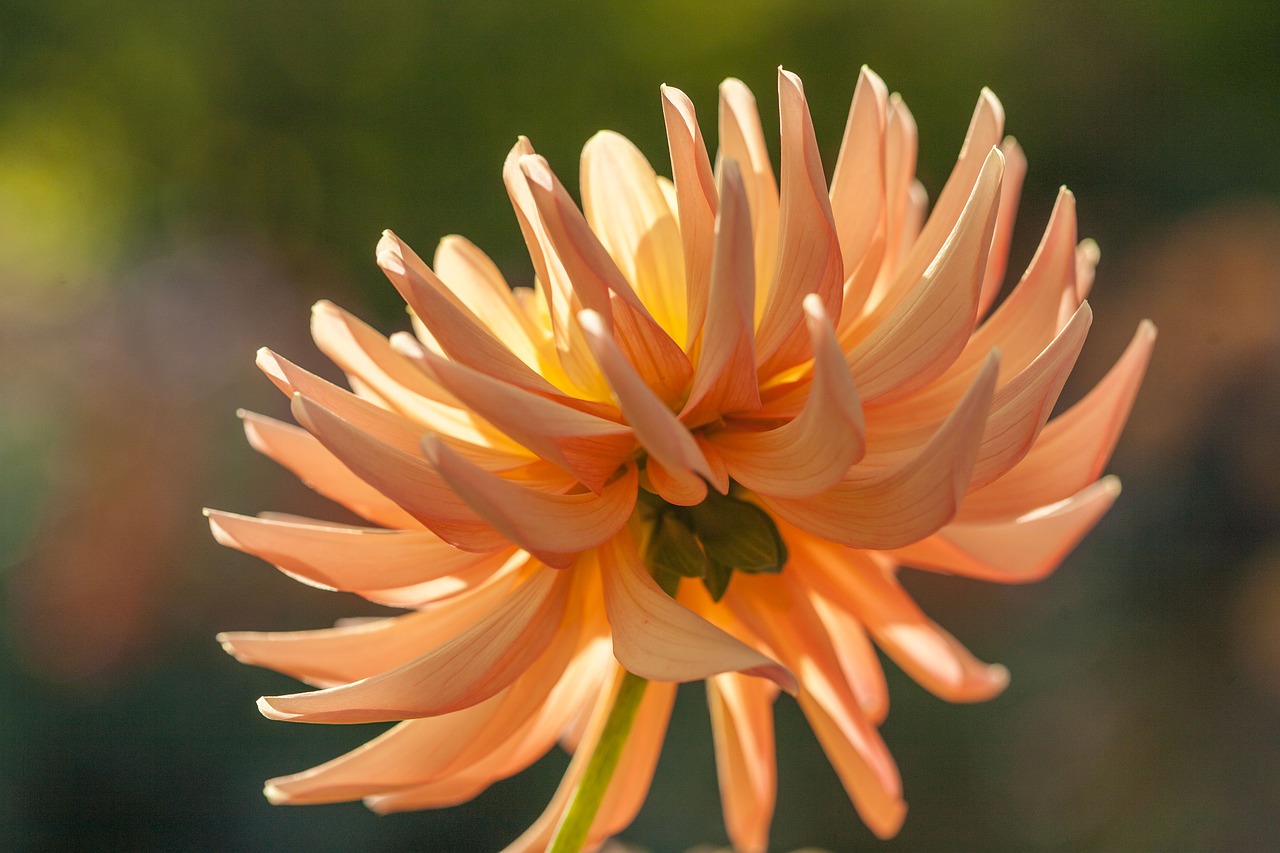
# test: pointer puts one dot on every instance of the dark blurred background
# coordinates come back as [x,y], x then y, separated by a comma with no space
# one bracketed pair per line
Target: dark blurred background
[179,181]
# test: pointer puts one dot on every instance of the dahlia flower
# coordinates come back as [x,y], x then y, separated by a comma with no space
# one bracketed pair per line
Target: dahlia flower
[699,447]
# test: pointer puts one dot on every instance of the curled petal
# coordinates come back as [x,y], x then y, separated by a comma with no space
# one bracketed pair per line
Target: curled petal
[904,212]
[811,453]
[742,727]
[409,480]
[658,430]
[725,377]
[657,638]
[554,527]
[1015,170]
[1073,448]
[466,670]
[314,465]
[857,185]
[742,139]
[900,504]
[903,348]
[808,248]
[680,489]
[1021,550]
[352,559]
[696,201]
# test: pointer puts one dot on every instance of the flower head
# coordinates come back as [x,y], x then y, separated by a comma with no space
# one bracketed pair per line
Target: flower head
[700,447]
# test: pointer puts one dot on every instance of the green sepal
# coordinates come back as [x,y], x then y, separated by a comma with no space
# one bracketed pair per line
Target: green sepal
[717,579]
[675,550]
[738,535]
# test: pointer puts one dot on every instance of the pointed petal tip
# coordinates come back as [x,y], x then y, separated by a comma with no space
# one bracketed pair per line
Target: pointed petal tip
[1147,331]
[537,170]
[275,795]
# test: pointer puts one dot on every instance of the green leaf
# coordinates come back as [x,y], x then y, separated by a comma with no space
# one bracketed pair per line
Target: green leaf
[738,535]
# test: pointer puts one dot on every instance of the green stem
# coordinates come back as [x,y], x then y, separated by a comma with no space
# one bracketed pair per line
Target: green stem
[576,823]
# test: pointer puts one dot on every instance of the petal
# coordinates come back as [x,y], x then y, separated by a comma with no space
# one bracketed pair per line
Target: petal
[901,223]
[409,480]
[657,638]
[901,349]
[931,656]
[894,506]
[458,331]
[554,527]
[811,453]
[601,287]
[626,209]
[725,377]
[1074,447]
[680,489]
[658,430]
[696,200]
[857,185]
[468,669]
[1015,170]
[742,726]
[857,656]
[319,469]
[352,559]
[350,652]
[586,445]
[808,248]
[1022,550]
[741,139]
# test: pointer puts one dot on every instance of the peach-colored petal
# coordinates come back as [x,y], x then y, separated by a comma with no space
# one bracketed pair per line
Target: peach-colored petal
[742,139]
[602,288]
[1074,447]
[1021,550]
[725,377]
[458,331]
[678,489]
[811,453]
[468,669]
[554,527]
[857,185]
[315,466]
[352,559]
[409,480]
[870,592]
[891,507]
[350,652]
[696,201]
[626,209]
[659,431]
[657,638]
[1015,170]
[587,445]
[808,247]
[903,216]
[857,656]
[902,349]
[478,283]
[742,726]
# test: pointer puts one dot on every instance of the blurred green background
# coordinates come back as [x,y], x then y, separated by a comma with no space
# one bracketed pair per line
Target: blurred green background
[179,181]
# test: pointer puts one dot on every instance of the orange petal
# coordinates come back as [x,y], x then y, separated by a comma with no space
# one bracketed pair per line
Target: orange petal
[808,248]
[1073,448]
[857,656]
[586,445]
[658,430]
[657,638]
[858,183]
[742,727]
[602,288]
[696,200]
[1015,170]
[725,378]
[307,458]
[811,453]
[741,139]
[905,347]
[468,669]
[901,222]
[351,652]
[680,489]
[554,527]
[891,507]
[407,479]
[458,331]
[1022,550]
[930,655]
[626,209]
[352,559]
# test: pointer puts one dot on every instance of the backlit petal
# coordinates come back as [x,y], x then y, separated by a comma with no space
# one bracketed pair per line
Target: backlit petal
[742,726]
[696,201]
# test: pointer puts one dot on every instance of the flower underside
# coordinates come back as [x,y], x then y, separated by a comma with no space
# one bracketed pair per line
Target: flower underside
[701,447]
